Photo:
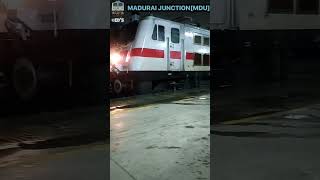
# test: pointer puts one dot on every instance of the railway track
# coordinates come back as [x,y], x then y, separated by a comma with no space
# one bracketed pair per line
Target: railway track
[156,97]
[132,94]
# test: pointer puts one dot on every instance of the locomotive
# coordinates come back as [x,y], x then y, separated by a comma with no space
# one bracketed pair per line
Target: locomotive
[254,40]
[46,44]
[153,50]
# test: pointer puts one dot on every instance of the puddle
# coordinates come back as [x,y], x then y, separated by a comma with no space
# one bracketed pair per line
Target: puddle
[163,147]
[203,98]
[169,147]
[151,147]
[189,126]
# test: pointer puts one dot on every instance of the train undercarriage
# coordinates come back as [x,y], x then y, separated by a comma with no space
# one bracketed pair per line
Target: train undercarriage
[249,57]
[53,66]
[128,83]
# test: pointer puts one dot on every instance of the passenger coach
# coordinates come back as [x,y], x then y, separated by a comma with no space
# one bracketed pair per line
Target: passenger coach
[169,48]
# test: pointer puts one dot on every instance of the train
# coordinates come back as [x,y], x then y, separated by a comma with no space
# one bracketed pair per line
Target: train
[146,52]
[260,41]
[46,44]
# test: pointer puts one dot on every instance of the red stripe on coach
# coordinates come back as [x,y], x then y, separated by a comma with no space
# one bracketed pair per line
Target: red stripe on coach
[175,54]
[145,52]
[124,53]
[190,56]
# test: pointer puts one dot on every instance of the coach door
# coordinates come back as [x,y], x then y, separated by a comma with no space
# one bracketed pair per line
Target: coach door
[175,54]
[174,51]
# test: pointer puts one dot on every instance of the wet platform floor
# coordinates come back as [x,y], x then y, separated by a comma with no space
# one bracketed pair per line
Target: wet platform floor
[277,146]
[165,141]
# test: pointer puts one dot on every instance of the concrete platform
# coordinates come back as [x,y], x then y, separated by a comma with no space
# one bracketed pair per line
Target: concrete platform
[82,163]
[278,146]
[118,172]
[164,141]
[234,103]
[51,125]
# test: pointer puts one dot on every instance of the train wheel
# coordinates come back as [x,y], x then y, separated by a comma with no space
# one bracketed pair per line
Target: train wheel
[117,86]
[24,78]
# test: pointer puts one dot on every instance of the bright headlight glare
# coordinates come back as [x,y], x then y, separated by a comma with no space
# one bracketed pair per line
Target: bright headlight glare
[115,58]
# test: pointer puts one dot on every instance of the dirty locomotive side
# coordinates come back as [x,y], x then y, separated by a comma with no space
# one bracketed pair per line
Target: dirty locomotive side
[52,44]
[263,41]
[153,51]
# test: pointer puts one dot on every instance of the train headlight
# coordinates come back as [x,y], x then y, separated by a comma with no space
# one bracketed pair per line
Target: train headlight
[115,58]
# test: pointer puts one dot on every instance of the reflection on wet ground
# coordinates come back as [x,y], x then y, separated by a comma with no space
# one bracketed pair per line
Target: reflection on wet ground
[261,134]
[237,133]
[76,140]
[50,130]
[165,140]
[160,98]
[269,146]
[239,102]
[302,124]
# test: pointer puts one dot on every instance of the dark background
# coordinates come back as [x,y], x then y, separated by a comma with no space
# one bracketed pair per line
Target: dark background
[203,18]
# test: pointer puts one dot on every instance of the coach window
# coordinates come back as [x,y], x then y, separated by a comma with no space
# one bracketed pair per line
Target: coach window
[197,59]
[161,35]
[206,41]
[206,60]
[280,6]
[197,39]
[175,35]
[307,6]
[155,33]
